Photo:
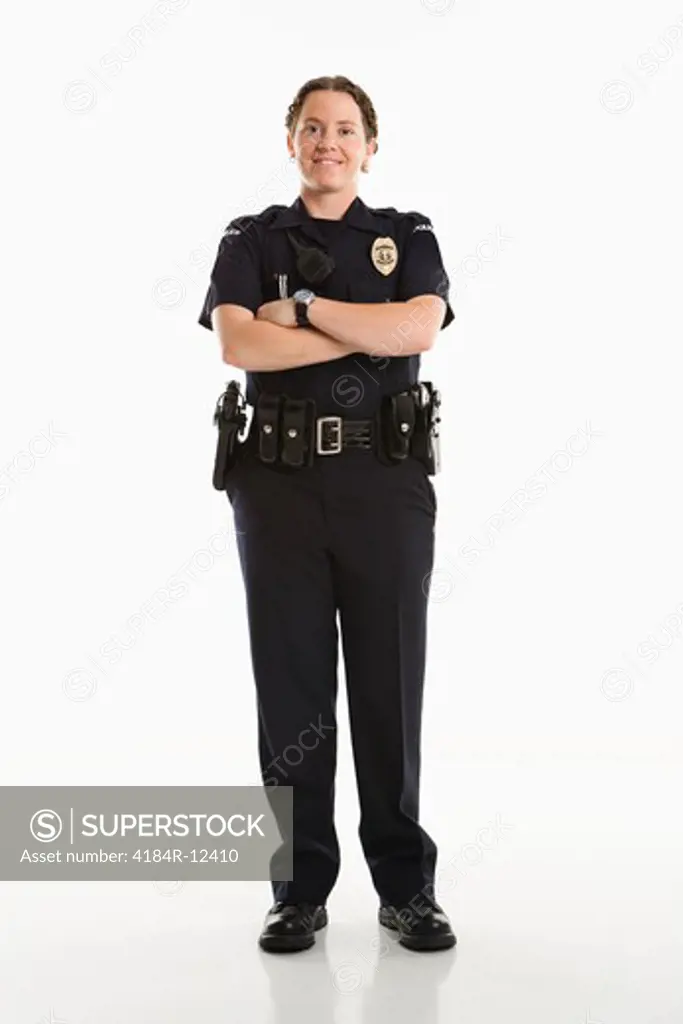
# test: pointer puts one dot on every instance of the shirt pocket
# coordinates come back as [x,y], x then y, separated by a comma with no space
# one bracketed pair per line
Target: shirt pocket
[368,285]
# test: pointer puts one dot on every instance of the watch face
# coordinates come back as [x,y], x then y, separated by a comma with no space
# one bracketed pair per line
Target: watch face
[304,295]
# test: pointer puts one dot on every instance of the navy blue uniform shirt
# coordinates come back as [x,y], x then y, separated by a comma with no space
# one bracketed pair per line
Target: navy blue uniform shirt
[255,249]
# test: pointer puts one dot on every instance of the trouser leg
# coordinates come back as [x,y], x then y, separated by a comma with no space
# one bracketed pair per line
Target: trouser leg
[382,521]
[293,639]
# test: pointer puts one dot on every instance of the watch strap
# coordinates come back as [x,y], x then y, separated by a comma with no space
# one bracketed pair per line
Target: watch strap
[301,313]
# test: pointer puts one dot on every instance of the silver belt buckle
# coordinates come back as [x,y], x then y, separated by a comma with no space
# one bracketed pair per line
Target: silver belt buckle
[319,435]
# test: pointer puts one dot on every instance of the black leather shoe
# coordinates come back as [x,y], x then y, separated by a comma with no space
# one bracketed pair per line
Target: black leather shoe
[290,927]
[423,928]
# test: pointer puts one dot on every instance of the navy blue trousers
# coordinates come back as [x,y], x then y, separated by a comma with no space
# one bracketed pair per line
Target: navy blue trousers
[349,541]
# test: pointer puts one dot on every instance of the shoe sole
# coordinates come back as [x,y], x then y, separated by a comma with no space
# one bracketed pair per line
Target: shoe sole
[293,943]
[418,943]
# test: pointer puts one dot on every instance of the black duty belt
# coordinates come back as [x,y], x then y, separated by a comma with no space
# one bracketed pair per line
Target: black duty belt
[334,433]
[286,431]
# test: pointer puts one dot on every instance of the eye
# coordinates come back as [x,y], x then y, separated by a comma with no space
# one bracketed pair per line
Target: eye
[309,128]
[350,131]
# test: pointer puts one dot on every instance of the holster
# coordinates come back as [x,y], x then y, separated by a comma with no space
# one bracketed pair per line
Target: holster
[230,418]
[426,440]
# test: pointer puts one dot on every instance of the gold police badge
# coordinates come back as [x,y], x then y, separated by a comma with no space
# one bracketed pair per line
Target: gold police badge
[384,255]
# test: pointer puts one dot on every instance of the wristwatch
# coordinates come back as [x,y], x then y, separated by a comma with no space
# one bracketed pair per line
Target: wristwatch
[302,300]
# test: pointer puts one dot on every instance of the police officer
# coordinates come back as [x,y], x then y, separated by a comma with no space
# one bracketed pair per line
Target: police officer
[327,306]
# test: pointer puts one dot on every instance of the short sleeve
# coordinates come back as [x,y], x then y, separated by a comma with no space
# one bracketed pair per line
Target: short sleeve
[421,270]
[236,274]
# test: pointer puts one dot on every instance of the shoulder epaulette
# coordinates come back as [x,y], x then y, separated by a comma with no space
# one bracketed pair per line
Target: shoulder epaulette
[239,224]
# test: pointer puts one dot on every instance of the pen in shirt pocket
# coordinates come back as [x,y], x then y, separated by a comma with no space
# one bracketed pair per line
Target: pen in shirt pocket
[282,286]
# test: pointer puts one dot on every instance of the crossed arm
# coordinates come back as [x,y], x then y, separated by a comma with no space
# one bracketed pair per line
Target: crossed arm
[270,340]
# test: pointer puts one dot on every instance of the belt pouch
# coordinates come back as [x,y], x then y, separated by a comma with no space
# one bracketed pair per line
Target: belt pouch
[397,422]
[298,418]
[267,416]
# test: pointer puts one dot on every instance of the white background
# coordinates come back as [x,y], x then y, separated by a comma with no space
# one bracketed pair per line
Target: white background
[552,133]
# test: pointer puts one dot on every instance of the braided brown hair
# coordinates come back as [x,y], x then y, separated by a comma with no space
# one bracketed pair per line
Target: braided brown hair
[336,83]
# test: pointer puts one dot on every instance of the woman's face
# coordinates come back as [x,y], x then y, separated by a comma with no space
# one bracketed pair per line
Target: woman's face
[329,141]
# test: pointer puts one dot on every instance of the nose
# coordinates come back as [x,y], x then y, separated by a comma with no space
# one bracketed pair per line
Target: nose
[325,140]
[326,152]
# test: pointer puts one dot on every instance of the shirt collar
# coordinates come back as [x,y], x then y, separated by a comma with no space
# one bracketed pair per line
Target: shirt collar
[357,215]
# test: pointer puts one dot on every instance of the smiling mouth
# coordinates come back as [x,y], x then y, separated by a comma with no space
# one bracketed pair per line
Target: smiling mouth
[326,160]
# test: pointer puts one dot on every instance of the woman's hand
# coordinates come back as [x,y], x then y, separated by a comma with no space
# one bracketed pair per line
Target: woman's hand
[280,312]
